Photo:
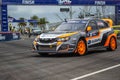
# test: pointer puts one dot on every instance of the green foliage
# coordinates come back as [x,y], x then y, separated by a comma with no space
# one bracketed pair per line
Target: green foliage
[22,24]
[35,17]
[40,22]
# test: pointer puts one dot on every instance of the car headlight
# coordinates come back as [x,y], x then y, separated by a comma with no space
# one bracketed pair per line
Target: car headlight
[63,39]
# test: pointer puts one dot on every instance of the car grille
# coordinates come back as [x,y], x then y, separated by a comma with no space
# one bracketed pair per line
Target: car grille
[47,40]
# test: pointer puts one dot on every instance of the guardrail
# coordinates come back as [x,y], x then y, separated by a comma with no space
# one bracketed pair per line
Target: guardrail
[7,36]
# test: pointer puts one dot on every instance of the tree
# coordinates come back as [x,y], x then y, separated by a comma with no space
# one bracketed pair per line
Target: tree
[34,18]
[42,22]
[22,24]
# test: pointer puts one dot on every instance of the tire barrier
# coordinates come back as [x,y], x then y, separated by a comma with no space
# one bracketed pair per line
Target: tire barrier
[7,36]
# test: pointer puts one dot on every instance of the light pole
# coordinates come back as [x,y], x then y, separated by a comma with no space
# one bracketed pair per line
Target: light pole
[70,12]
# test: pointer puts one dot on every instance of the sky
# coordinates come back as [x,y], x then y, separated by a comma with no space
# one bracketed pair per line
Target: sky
[49,12]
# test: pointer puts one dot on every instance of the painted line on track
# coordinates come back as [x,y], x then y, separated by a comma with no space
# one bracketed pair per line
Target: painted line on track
[96,72]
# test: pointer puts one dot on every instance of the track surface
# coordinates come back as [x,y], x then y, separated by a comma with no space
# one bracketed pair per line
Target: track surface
[17,62]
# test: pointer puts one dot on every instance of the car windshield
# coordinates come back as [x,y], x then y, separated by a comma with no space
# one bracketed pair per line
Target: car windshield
[71,27]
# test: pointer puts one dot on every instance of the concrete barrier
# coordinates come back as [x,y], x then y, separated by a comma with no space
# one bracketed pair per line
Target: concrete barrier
[7,36]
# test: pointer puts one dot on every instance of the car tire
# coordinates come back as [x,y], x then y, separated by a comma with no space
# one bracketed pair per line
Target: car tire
[81,47]
[43,54]
[112,44]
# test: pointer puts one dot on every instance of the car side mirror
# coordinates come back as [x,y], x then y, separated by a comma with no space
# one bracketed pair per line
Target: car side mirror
[89,28]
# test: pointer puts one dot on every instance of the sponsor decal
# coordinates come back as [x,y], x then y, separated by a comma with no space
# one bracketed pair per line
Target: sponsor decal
[4,10]
[92,34]
[28,1]
[64,2]
[2,37]
[4,22]
[100,2]
[89,41]
[45,39]
[100,24]
[4,18]
[4,14]
[48,35]
[15,36]
[94,41]
[10,19]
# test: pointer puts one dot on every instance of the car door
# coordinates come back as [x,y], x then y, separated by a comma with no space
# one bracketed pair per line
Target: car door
[93,36]
[104,29]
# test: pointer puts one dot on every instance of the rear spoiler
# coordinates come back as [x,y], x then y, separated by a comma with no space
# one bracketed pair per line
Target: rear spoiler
[109,21]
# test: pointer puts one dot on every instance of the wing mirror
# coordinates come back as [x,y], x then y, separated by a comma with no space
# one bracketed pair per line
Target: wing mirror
[89,28]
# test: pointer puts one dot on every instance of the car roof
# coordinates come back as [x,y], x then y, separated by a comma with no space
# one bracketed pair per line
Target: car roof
[79,20]
[85,19]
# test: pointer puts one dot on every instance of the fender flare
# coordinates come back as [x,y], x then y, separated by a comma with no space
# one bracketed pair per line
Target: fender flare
[108,39]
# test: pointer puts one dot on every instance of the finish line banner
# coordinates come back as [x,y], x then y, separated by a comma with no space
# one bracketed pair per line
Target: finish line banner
[5,3]
[62,2]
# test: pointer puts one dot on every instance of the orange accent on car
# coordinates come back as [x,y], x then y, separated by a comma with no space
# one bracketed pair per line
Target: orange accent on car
[109,21]
[93,37]
[59,43]
[108,39]
[113,43]
[81,48]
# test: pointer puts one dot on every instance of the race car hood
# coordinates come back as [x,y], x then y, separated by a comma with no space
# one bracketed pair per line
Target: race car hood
[57,34]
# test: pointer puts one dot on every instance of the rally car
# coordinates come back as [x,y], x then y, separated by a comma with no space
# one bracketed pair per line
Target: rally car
[77,36]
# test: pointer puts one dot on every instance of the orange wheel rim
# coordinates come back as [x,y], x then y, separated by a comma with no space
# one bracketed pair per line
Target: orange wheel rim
[113,44]
[81,47]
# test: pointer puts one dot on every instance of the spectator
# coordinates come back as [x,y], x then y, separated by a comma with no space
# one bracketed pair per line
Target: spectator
[29,34]
[13,29]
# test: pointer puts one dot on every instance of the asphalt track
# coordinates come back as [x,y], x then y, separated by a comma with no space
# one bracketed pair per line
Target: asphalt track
[17,62]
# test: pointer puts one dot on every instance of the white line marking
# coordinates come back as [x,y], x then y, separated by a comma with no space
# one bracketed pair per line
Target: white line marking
[96,72]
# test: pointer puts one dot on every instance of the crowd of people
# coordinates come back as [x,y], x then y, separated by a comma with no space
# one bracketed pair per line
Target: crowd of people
[24,32]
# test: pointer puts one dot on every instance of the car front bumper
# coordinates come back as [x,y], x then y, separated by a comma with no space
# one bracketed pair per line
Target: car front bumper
[53,48]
